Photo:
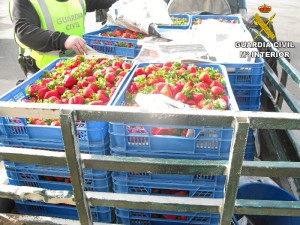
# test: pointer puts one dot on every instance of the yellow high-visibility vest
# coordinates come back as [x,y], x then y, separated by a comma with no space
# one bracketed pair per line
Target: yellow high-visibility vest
[67,17]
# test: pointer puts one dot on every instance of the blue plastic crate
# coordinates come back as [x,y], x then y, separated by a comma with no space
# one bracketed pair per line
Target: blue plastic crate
[16,131]
[44,177]
[99,214]
[168,187]
[97,148]
[184,16]
[245,73]
[207,142]
[187,179]
[247,95]
[108,45]
[225,18]
[142,217]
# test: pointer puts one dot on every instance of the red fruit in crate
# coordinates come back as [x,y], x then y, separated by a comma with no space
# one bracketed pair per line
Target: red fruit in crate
[42,92]
[67,180]
[167,90]
[76,100]
[69,81]
[117,64]
[217,84]
[126,65]
[160,85]
[183,217]
[169,217]
[122,73]
[181,97]
[59,179]
[110,77]
[139,71]
[60,89]
[206,78]
[93,86]
[99,102]
[88,92]
[55,123]
[51,93]
[49,178]
[182,193]
[217,90]
[197,97]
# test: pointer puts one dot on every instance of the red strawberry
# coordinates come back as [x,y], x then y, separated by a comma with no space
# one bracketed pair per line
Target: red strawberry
[76,100]
[197,97]
[216,83]
[181,97]
[93,86]
[126,65]
[217,90]
[206,78]
[42,92]
[139,71]
[167,90]
[51,93]
[88,92]
[99,102]
[110,77]
[60,89]
[169,217]
[69,81]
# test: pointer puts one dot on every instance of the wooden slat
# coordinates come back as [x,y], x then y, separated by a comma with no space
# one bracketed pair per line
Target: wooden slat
[236,159]
[155,165]
[69,134]
[267,207]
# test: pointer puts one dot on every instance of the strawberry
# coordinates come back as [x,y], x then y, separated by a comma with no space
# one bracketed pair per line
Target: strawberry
[88,92]
[126,65]
[139,71]
[51,93]
[110,77]
[181,97]
[99,102]
[76,100]
[217,84]
[69,81]
[169,217]
[55,123]
[206,78]
[93,86]
[167,90]
[42,92]
[197,97]
[217,91]
[60,89]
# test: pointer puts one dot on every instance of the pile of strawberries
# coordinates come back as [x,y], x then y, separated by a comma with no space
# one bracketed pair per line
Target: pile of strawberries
[199,21]
[120,33]
[201,88]
[78,81]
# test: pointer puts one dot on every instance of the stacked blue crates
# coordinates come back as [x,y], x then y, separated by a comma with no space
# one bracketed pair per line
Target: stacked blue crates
[127,47]
[93,138]
[136,140]
[246,80]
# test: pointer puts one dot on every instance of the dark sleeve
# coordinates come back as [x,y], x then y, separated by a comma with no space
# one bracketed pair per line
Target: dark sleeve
[27,28]
[92,5]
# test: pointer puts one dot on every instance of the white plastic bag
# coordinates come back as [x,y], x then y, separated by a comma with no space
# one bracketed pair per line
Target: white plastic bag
[137,15]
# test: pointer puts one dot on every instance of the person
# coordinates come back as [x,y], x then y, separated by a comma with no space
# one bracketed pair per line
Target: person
[48,29]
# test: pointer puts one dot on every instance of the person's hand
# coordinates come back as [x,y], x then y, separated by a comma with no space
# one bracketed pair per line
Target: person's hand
[77,44]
